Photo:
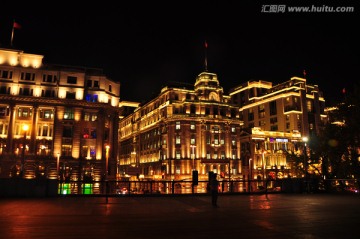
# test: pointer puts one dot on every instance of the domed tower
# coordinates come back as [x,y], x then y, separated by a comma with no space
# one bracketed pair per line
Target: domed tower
[207,87]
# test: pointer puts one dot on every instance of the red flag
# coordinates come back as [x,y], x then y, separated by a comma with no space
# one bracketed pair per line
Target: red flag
[206,45]
[343,91]
[304,72]
[17,25]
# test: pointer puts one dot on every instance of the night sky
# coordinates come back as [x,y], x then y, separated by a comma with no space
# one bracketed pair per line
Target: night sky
[145,45]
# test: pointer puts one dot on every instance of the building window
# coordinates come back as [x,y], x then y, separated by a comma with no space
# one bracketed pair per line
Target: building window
[96,84]
[287,125]
[45,130]
[208,155]
[67,132]
[3,128]
[72,80]
[93,133]
[216,139]
[24,112]
[91,98]
[178,155]
[4,90]
[66,150]
[233,142]
[92,152]
[26,91]
[273,110]
[262,114]
[86,133]
[89,83]
[27,76]
[178,139]
[192,140]
[192,125]
[46,114]
[309,106]
[222,155]
[110,88]
[6,74]
[4,111]
[262,123]
[69,114]
[273,120]
[274,128]
[49,78]
[222,140]
[233,129]
[70,95]
[47,93]
[208,139]
[251,115]
[177,126]
[86,116]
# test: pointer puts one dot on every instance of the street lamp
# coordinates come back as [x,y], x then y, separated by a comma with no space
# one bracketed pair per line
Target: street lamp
[25,128]
[57,165]
[250,169]
[193,156]
[305,140]
[107,161]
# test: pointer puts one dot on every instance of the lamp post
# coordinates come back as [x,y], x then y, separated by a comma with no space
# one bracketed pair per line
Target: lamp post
[107,147]
[57,165]
[250,169]
[107,161]
[25,128]
[193,156]
[305,140]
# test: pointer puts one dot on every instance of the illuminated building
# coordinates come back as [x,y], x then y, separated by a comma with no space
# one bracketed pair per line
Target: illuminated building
[185,127]
[246,134]
[72,114]
[276,119]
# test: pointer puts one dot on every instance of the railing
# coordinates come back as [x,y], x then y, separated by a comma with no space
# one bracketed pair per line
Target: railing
[22,187]
[290,185]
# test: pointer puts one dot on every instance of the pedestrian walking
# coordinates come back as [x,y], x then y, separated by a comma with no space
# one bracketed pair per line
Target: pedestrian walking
[214,187]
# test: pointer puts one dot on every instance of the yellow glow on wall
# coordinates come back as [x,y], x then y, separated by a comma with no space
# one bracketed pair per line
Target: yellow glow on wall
[13,60]
[37,91]
[103,98]
[62,93]
[30,60]
[79,94]
[77,115]
[14,89]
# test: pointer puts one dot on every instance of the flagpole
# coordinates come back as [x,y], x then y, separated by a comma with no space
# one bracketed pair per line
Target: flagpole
[206,64]
[12,34]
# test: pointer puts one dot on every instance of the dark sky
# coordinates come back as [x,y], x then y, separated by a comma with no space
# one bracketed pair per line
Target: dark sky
[145,44]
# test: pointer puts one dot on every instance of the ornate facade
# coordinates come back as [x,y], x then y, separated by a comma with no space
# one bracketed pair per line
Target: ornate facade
[71,116]
[279,117]
[182,129]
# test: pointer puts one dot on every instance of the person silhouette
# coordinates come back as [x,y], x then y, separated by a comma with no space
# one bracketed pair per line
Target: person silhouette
[214,188]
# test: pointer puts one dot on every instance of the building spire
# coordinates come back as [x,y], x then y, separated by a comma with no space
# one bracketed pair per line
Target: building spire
[205,62]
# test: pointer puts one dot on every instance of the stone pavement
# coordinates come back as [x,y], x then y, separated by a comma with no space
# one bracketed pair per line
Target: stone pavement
[309,216]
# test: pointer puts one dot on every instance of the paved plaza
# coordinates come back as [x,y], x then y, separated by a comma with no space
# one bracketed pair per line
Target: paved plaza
[288,216]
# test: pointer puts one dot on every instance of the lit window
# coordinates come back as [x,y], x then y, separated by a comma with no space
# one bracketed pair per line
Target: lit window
[177,125]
